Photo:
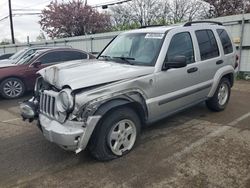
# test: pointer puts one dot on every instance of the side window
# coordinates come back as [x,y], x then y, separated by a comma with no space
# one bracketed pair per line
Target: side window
[50,57]
[181,45]
[207,44]
[73,55]
[225,41]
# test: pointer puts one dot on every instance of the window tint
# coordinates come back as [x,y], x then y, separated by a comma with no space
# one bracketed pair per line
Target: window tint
[207,44]
[50,57]
[59,56]
[225,41]
[73,55]
[181,45]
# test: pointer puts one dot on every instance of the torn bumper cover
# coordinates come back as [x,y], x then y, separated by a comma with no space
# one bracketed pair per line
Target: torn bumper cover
[71,135]
[28,110]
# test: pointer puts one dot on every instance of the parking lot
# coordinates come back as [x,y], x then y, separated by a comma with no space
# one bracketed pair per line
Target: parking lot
[195,148]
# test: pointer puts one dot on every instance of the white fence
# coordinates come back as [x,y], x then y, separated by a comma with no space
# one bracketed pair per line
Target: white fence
[96,42]
[89,43]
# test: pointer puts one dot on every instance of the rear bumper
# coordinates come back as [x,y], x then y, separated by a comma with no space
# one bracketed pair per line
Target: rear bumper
[71,135]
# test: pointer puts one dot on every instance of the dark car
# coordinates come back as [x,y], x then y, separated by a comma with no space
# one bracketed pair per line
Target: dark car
[5,56]
[21,54]
[16,78]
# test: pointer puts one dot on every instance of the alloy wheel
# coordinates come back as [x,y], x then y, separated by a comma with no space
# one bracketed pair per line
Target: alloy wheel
[122,136]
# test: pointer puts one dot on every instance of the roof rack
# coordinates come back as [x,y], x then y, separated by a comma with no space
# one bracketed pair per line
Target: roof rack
[145,26]
[196,22]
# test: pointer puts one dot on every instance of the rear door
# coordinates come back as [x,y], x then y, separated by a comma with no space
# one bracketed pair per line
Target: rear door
[46,59]
[210,58]
[226,43]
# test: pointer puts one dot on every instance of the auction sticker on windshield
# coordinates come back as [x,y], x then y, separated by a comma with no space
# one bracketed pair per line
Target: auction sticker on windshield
[154,36]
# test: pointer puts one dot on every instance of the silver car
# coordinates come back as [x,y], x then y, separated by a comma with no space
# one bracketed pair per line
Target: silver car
[141,77]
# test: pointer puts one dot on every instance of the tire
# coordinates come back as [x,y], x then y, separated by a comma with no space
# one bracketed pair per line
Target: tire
[115,135]
[219,100]
[12,88]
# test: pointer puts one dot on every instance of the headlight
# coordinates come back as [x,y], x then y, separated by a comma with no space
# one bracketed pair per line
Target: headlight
[65,101]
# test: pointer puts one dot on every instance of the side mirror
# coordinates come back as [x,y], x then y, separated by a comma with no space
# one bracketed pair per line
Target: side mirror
[176,62]
[37,64]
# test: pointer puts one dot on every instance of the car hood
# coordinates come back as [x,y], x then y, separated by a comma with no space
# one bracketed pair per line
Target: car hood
[86,73]
[6,61]
[6,64]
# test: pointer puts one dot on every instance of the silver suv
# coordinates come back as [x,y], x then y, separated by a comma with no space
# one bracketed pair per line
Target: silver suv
[140,77]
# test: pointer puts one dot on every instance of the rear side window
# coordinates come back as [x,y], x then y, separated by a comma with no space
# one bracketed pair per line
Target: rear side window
[181,45]
[51,57]
[73,55]
[225,41]
[207,44]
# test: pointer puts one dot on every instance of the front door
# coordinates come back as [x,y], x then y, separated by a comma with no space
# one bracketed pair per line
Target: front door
[176,88]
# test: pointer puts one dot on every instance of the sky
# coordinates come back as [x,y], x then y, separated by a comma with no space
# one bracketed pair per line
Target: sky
[27,25]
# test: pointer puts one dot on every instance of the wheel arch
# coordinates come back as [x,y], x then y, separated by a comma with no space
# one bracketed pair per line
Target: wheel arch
[230,77]
[133,100]
[224,72]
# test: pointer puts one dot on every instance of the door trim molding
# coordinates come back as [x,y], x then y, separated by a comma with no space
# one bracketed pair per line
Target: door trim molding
[184,94]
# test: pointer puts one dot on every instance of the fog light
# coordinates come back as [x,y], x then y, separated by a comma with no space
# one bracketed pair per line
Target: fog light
[27,111]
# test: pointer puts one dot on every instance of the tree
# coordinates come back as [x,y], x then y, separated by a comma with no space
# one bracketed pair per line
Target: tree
[148,12]
[183,10]
[140,12]
[40,37]
[228,7]
[72,19]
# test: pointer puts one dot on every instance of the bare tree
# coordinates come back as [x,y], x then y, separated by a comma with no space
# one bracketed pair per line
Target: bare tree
[148,12]
[121,17]
[142,12]
[183,10]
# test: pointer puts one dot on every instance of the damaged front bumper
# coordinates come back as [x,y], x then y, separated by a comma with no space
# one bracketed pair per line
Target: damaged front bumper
[70,135]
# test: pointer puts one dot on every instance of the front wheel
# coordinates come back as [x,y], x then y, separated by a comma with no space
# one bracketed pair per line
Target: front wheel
[221,96]
[12,88]
[116,135]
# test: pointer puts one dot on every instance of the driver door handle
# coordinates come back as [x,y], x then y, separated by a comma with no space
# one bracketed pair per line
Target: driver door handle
[193,69]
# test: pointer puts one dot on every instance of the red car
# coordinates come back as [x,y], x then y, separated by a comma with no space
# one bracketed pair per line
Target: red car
[16,78]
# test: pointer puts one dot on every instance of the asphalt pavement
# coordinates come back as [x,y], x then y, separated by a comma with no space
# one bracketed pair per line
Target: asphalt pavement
[195,148]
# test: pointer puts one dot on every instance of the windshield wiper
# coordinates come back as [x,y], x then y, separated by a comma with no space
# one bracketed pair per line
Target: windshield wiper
[126,59]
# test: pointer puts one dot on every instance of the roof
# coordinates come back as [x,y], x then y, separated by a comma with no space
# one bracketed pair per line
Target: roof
[164,29]
[156,29]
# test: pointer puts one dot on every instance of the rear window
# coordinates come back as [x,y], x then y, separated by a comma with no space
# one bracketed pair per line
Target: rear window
[225,41]
[207,44]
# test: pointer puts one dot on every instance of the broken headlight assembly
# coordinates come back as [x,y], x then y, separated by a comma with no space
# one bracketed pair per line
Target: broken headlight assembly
[65,100]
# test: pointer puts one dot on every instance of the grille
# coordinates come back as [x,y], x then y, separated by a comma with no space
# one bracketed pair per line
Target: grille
[48,103]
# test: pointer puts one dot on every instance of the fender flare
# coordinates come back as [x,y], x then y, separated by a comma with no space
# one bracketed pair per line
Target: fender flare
[133,99]
[217,77]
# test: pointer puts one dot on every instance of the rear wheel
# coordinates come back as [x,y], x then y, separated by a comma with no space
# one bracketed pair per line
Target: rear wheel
[116,135]
[12,88]
[221,97]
